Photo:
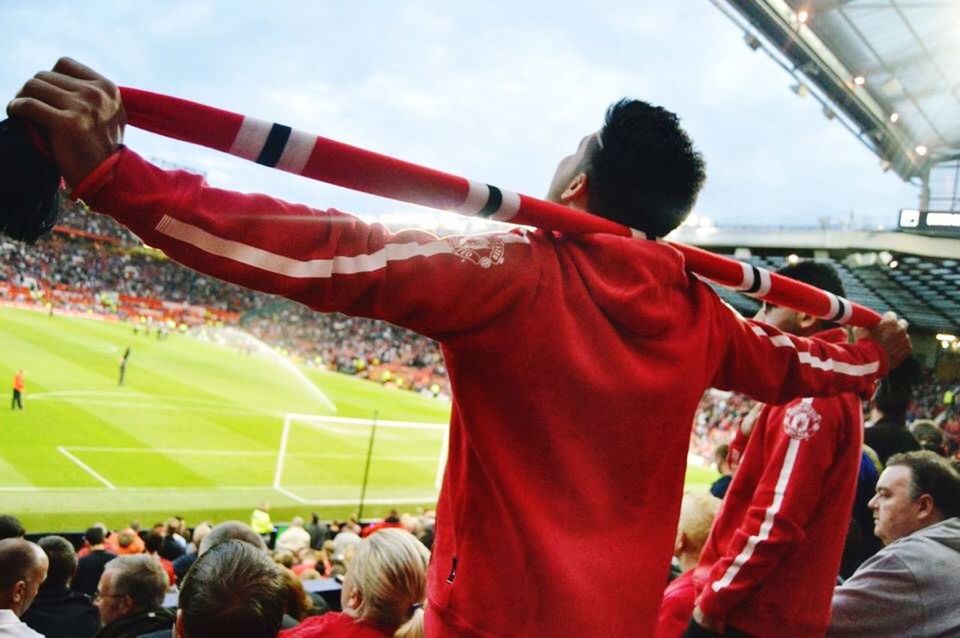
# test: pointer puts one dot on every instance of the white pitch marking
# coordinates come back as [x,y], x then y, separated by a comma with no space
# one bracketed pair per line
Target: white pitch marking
[290,494]
[86,468]
[234,453]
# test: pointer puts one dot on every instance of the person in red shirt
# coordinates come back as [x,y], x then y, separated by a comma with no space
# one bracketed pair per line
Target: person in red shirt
[771,562]
[152,547]
[383,593]
[18,387]
[636,337]
[697,512]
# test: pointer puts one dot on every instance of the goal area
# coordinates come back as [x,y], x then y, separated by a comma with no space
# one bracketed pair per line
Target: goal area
[329,460]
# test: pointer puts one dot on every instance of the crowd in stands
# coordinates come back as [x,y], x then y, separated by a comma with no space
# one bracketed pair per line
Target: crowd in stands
[218,580]
[91,263]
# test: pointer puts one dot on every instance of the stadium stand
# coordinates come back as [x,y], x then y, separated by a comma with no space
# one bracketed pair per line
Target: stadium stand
[90,264]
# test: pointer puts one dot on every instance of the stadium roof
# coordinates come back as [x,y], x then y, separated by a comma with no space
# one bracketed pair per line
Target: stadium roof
[888,68]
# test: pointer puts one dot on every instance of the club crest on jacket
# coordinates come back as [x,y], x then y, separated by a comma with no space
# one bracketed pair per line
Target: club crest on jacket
[801,421]
[483,250]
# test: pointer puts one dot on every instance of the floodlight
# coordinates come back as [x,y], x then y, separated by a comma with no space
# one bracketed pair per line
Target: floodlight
[802,16]
[800,89]
[893,263]
[751,41]
[793,259]
[921,150]
[859,80]
[894,117]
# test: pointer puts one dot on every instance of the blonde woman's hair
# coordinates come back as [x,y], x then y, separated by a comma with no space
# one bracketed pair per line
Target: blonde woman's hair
[390,572]
[697,512]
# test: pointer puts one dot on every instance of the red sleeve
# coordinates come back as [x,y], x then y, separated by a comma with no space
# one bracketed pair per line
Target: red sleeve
[795,458]
[771,366]
[326,260]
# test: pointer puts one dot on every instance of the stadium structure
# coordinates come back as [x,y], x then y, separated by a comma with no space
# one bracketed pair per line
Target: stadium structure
[880,71]
[885,71]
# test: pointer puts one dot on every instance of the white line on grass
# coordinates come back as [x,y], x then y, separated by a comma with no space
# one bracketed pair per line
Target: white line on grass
[195,452]
[86,468]
[312,418]
[290,494]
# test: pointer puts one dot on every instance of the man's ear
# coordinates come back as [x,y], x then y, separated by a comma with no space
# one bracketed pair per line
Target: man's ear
[575,194]
[925,506]
[19,591]
[806,322]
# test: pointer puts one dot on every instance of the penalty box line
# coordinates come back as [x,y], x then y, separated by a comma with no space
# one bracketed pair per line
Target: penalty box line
[86,468]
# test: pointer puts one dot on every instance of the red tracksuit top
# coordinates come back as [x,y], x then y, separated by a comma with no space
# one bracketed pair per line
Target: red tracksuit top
[576,365]
[771,562]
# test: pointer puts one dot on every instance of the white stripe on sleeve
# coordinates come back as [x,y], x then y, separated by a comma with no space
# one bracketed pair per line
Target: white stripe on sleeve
[806,358]
[307,269]
[779,491]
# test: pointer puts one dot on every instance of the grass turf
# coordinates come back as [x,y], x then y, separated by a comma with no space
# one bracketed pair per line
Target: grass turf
[195,431]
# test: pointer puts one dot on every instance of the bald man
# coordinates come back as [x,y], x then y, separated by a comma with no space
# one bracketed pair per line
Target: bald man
[23,567]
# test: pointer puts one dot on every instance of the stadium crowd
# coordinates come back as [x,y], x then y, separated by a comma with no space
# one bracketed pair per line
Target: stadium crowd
[523,454]
[91,263]
[316,579]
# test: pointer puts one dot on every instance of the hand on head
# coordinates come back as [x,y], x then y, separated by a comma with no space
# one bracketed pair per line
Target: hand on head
[891,335]
[80,112]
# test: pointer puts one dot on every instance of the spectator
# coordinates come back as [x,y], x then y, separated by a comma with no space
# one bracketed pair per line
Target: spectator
[299,604]
[129,542]
[23,567]
[719,487]
[392,520]
[383,593]
[130,598]
[295,538]
[260,521]
[697,512]
[182,564]
[774,552]
[909,588]
[888,434]
[152,547]
[90,567]
[317,531]
[10,527]
[233,589]
[174,545]
[928,435]
[232,530]
[58,612]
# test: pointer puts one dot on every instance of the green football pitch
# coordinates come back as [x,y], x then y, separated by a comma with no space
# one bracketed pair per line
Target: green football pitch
[200,430]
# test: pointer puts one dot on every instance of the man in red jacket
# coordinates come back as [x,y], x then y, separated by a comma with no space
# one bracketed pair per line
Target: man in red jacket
[636,337]
[771,562]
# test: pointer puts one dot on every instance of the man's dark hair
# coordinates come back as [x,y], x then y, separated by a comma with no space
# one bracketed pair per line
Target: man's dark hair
[931,474]
[893,399]
[233,589]
[818,274]
[11,527]
[63,561]
[644,172]
[94,535]
[153,542]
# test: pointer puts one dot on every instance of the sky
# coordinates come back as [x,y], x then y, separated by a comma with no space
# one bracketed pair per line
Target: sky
[494,91]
